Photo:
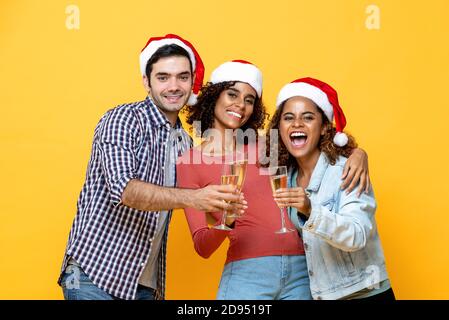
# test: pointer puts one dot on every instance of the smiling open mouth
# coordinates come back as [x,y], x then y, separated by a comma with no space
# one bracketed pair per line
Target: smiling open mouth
[173,98]
[234,114]
[298,138]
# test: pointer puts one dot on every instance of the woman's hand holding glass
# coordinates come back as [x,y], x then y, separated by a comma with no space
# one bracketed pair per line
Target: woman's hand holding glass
[278,180]
[295,198]
[231,175]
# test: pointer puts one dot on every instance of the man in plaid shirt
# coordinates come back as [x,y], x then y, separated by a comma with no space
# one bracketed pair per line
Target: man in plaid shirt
[117,243]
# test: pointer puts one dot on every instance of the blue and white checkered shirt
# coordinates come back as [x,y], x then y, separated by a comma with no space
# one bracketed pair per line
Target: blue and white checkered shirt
[112,242]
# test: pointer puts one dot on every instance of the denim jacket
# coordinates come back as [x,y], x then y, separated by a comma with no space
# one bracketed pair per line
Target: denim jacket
[343,249]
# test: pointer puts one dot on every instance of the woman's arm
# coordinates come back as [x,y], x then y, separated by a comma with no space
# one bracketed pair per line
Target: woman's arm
[347,229]
[356,172]
[206,240]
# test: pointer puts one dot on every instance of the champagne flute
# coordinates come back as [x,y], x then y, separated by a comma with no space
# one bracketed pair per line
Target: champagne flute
[239,168]
[228,176]
[278,180]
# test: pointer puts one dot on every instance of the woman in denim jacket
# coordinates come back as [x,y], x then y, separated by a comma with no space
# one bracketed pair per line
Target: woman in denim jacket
[344,254]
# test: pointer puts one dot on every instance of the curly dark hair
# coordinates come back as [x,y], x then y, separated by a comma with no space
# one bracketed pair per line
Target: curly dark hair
[326,143]
[204,111]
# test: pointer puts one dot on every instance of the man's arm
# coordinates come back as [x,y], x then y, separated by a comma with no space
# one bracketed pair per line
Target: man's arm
[149,197]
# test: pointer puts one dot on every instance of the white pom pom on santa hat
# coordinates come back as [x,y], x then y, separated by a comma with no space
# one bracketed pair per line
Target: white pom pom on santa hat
[340,139]
[193,99]
[197,64]
[324,96]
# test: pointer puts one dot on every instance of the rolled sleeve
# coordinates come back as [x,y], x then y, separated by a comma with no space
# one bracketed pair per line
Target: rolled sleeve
[118,133]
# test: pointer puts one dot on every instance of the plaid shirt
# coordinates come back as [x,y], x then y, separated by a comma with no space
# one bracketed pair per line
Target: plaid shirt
[110,241]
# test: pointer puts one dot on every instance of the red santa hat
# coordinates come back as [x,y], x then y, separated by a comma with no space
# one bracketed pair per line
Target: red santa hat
[324,96]
[241,71]
[197,64]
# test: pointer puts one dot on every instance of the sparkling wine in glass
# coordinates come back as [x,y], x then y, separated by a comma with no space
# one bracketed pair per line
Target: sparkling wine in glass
[228,176]
[278,180]
[238,168]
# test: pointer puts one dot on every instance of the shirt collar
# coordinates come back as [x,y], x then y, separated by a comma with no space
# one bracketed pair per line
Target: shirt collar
[158,117]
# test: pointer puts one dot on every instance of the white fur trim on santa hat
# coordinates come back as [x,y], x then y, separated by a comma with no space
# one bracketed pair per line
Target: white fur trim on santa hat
[306,90]
[238,71]
[153,46]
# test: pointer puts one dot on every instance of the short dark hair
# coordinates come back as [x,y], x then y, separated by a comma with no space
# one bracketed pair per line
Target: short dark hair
[166,51]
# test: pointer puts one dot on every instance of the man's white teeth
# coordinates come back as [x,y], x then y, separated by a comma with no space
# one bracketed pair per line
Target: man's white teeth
[298,134]
[235,114]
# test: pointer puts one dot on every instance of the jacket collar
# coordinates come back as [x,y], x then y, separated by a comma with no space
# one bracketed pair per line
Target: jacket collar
[317,175]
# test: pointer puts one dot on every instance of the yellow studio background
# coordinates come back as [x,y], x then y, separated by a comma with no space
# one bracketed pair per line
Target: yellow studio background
[56,82]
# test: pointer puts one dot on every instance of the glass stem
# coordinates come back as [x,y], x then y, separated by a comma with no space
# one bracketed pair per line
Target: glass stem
[223,218]
[283,217]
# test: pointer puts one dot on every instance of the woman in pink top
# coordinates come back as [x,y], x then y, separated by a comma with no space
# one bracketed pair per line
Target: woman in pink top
[260,264]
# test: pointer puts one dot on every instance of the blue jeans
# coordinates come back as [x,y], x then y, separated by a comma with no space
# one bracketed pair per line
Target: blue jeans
[76,285]
[266,278]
